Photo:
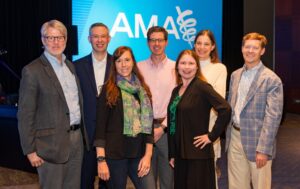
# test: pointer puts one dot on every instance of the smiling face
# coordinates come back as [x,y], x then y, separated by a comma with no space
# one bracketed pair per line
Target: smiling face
[157,43]
[252,51]
[99,39]
[124,65]
[204,47]
[54,42]
[187,67]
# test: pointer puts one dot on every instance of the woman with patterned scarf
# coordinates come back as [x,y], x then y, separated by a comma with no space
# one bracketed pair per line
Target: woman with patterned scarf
[124,128]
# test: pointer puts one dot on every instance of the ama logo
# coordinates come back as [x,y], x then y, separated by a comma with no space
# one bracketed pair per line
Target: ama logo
[185,29]
[129,22]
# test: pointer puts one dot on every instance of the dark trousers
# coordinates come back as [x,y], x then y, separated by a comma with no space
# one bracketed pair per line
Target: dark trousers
[89,170]
[120,169]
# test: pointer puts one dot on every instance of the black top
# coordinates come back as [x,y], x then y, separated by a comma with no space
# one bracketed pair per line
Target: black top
[134,146]
[109,131]
[192,119]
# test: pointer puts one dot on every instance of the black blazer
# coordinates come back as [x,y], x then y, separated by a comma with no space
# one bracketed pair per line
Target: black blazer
[85,72]
[109,128]
[192,119]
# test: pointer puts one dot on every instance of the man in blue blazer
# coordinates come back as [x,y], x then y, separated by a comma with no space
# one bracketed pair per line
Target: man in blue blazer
[256,97]
[92,71]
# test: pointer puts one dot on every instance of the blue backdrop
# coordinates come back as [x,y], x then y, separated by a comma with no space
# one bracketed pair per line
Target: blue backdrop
[129,20]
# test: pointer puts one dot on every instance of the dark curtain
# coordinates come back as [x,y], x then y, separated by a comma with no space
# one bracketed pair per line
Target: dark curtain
[232,35]
[20,23]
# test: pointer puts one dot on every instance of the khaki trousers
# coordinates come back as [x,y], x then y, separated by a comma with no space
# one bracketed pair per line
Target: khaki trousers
[242,172]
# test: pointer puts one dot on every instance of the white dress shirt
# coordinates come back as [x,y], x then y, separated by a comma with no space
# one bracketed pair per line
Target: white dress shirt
[99,71]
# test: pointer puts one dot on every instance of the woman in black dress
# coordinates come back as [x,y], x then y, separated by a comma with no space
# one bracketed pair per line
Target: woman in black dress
[190,142]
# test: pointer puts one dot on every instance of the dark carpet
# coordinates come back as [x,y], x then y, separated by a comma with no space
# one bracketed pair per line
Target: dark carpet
[286,166]
[16,171]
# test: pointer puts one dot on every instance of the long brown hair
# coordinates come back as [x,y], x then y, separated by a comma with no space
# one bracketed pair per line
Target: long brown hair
[113,93]
[194,55]
[214,53]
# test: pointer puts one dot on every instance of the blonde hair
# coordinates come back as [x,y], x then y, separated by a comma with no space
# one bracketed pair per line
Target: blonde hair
[255,36]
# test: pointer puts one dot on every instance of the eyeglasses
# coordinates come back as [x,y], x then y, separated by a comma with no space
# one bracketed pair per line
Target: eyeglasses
[153,40]
[52,38]
[97,37]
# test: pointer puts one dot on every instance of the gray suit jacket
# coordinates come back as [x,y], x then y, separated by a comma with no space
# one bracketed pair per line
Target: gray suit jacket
[261,115]
[43,114]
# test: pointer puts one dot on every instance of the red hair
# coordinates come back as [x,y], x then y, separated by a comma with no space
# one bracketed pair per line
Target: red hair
[194,55]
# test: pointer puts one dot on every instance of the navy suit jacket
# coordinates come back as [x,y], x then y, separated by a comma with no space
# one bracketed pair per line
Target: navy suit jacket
[85,72]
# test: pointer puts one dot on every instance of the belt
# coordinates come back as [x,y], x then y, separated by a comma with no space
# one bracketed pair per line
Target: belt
[236,127]
[158,120]
[74,127]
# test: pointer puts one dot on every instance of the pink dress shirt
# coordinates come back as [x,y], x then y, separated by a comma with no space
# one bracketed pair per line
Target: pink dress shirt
[161,79]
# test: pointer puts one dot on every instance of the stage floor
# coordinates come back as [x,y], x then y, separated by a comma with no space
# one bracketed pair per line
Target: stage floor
[286,166]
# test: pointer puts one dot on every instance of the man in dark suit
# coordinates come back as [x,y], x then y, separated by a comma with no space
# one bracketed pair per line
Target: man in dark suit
[51,130]
[93,71]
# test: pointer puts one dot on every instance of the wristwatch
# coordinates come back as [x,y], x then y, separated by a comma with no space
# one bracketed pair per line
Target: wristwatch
[165,128]
[100,158]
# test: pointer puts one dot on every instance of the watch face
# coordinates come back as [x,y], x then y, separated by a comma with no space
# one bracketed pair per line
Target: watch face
[100,158]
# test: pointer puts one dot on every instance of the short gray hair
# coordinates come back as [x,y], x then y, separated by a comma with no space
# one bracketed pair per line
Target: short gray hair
[54,24]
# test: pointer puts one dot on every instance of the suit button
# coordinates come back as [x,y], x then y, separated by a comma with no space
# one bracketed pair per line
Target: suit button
[67,113]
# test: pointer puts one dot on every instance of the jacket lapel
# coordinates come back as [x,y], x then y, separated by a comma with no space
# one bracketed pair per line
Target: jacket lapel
[235,86]
[90,73]
[51,74]
[254,85]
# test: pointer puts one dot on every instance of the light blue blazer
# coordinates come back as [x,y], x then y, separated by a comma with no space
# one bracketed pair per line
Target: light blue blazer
[261,115]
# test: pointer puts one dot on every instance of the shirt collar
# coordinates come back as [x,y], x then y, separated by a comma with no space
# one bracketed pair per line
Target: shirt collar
[53,60]
[97,61]
[254,69]
[163,62]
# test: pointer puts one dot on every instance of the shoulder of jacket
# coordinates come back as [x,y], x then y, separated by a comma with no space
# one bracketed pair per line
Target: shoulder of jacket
[82,59]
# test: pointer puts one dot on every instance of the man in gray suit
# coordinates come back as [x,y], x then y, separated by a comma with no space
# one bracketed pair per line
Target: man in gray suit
[51,130]
[256,98]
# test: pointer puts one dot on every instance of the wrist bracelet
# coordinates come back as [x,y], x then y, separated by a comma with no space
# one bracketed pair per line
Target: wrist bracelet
[100,158]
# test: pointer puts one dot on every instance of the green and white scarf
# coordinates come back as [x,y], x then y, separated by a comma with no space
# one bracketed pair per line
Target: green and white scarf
[138,117]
